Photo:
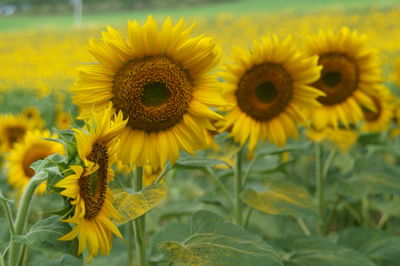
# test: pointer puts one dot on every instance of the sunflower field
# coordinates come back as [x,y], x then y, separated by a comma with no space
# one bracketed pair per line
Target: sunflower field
[211,133]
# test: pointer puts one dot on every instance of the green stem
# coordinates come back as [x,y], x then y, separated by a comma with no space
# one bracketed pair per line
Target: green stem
[247,219]
[365,210]
[129,232]
[5,207]
[303,226]
[320,185]
[2,262]
[218,182]
[248,171]
[22,214]
[328,163]
[238,189]
[140,229]
[22,256]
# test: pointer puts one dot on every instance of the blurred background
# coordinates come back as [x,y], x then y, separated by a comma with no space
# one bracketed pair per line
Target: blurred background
[43,41]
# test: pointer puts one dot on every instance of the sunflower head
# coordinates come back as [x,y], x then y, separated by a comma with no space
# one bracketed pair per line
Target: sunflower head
[380,119]
[12,129]
[33,114]
[268,88]
[158,78]
[63,120]
[350,71]
[87,187]
[31,148]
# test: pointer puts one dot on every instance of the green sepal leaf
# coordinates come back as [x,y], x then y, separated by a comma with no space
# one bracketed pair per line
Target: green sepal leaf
[133,205]
[280,197]
[44,235]
[215,242]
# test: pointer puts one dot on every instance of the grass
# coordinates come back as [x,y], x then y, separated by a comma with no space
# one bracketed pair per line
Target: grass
[18,22]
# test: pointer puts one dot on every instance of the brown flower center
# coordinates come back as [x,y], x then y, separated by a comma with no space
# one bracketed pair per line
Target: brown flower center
[93,187]
[36,153]
[372,116]
[14,134]
[339,78]
[153,92]
[264,91]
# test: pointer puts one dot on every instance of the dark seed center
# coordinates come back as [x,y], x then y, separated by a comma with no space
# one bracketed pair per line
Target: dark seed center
[155,93]
[332,79]
[266,92]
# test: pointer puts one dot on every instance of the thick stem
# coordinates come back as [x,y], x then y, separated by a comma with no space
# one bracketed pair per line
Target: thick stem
[139,224]
[22,215]
[320,186]
[238,189]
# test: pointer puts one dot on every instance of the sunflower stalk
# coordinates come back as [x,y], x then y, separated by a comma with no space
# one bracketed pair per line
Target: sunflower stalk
[238,185]
[139,224]
[22,214]
[6,210]
[320,186]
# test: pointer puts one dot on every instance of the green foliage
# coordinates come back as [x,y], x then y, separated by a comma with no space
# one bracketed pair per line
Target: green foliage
[214,242]
[314,252]
[43,236]
[279,198]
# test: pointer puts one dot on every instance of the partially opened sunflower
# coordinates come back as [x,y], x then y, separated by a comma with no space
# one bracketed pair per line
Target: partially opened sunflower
[87,186]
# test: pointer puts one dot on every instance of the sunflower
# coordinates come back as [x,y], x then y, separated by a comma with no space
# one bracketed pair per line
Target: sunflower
[341,138]
[31,148]
[350,72]
[63,120]
[159,79]
[87,187]
[380,119]
[12,130]
[268,90]
[33,114]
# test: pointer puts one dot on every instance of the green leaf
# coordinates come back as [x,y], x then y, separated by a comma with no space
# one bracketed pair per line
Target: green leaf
[44,235]
[377,177]
[173,231]
[53,259]
[133,205]
[316,252]
[4,234]
[280,197]
[198,162]
[215,242]
[379,246]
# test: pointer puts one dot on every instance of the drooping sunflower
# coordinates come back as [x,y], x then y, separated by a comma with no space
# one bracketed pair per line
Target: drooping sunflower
[159,79]
[379,120]
[12,129]
[87,187]
[350,70]
[31,148]
[341,138]
[268,89]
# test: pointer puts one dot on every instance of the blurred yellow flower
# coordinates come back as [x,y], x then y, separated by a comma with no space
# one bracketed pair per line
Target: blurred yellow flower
[350,70]
[31,148]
